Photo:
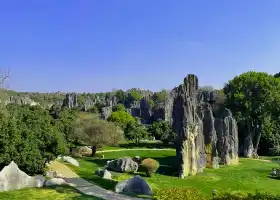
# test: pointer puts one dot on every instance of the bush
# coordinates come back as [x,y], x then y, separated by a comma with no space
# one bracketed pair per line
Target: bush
[150,166]
[179,194]
[249,196]
[121,118]
[29,138]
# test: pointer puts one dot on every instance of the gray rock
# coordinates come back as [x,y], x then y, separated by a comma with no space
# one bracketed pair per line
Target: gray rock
[53,174]
[103,173]
[202,140]
[227,132]
[69,160]
[55,181]
[135,185]
[106,112]
[125,164]
[71,100]
[12,178]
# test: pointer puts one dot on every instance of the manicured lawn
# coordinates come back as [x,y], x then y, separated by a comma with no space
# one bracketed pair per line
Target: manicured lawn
[248,176]
[57,193]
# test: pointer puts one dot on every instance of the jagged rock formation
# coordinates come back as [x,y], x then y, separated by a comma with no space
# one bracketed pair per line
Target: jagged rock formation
[21,100]
[106,112]
[71,100]
[199,135]
[12,178]
[227,132]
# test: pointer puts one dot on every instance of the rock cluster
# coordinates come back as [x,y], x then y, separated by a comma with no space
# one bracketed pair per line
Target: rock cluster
[202,140]
[71,100]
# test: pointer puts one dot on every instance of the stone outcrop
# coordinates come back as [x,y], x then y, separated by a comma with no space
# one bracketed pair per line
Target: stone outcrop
[227,132]
[21,100]
[125,164]
[71,100]
[135,185]
[106,112]
[201,142]
[12,178]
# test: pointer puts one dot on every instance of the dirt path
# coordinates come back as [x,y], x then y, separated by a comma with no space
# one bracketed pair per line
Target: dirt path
[86,187]
[113,150]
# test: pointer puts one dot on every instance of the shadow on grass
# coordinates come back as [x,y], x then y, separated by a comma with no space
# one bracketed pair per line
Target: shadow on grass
[69,189]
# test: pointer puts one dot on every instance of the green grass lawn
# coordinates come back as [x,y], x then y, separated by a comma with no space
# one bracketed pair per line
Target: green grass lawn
[248,176]
[57,193]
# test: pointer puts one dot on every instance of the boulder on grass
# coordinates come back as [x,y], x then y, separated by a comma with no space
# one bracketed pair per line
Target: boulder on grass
[135,185]
[69,160]
[55,181]
[125,164]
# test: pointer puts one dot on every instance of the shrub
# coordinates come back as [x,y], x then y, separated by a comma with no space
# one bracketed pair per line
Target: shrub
[150,166]
[179,194]
[29,138]
[249,196]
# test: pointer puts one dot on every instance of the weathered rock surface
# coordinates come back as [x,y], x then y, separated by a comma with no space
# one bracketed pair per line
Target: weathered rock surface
[227,132]
[106,112]
[55,181]
[135,185]
[21,100]
[12,178]
[201,142]
[53,174]
[125,164]
[103,173]
[71,100]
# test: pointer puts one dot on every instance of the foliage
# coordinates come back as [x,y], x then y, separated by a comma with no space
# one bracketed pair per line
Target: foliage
[150,166]
[28,137]
[179,194]
[121,96]
[132,96]
[96,132]
[121,118]
[162,130]
[135,132]
[118,107]
[64,120]
[246,196]
[250,96]
[93,109]
[160,97]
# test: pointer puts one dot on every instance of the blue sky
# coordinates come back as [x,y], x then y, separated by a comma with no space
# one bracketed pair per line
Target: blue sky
[100,45]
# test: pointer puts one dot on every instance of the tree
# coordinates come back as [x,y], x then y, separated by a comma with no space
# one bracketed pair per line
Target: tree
[4,75]
[118,107]
[96,132]
[252,97]
[28,137]
[133,96]
[121,96]
[135,132]
[121,118]
[162,130]
[160,97]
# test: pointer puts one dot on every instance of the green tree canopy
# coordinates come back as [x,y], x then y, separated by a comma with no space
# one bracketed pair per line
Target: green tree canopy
[252,97]
[118,107]
[29,138]
[121,118]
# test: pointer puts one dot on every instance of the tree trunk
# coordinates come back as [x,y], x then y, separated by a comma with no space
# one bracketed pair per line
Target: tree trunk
[257,136]
[93,148]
